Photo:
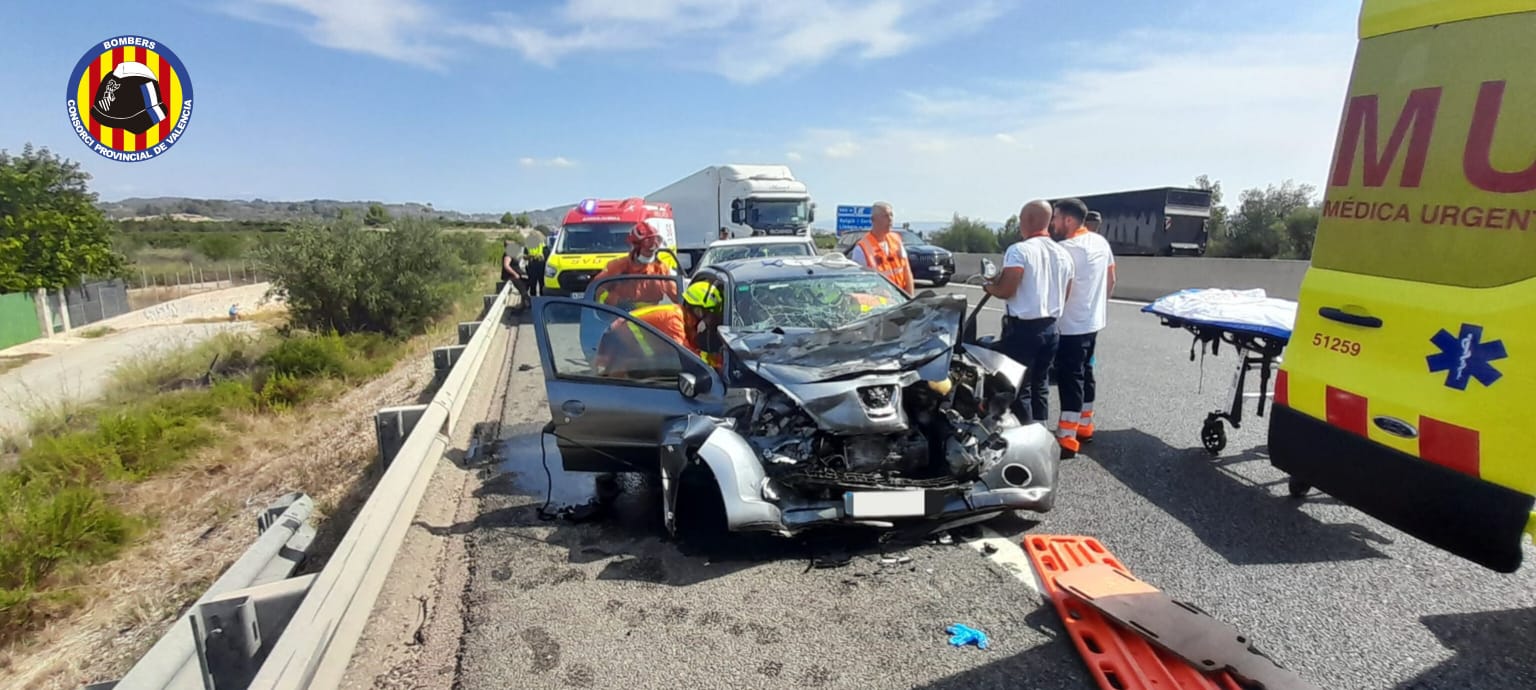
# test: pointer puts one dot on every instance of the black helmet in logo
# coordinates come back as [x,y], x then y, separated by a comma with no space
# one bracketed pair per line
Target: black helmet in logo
[129,99]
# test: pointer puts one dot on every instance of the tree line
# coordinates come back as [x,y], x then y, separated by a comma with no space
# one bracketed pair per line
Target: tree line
[339,275]
[1276,222]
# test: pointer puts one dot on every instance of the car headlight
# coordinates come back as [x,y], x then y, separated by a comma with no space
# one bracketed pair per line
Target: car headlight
[551,271]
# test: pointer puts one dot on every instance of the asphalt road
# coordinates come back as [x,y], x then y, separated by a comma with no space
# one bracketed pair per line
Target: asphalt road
[1343,600]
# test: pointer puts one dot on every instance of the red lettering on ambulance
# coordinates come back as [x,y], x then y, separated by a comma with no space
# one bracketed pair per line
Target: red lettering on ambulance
[1477,159]
[1361,120]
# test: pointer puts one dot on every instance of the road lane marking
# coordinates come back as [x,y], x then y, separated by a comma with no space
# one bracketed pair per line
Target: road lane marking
[1009,556]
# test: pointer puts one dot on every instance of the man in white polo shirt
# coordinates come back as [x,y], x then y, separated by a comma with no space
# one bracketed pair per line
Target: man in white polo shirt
[1034,284]
[1086,313]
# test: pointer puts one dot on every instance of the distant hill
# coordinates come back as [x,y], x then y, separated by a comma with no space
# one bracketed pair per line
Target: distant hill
[311,209]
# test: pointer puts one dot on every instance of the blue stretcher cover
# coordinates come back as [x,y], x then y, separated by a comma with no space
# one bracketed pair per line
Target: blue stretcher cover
[1242,311]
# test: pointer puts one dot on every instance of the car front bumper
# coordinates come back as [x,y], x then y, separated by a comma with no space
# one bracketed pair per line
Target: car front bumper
[932,268]
[755,503]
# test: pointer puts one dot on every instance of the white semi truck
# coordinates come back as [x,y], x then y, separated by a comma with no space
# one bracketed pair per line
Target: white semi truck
[744,199]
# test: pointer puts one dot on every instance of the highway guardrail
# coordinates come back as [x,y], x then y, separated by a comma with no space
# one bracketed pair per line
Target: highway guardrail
[317,645]
[259,628]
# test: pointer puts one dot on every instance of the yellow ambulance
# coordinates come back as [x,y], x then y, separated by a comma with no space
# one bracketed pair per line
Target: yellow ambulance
[1408,388]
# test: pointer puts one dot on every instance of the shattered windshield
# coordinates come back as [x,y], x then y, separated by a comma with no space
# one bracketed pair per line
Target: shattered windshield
[816,302]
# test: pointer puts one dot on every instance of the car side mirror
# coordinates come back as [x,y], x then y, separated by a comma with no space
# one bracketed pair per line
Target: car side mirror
[738,214]
[810,217]
[988,269]
[691,386]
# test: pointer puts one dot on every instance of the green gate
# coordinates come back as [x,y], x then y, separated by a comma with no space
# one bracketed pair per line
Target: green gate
[18,320]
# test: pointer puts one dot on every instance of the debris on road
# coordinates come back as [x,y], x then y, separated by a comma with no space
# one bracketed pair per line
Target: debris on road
[989,549]
[963,635]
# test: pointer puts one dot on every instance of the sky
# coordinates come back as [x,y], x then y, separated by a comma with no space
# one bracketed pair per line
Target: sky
[937,106]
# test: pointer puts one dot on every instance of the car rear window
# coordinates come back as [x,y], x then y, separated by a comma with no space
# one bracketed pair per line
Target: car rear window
[1433,166]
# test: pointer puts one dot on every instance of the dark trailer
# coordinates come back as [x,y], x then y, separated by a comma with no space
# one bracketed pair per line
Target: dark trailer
[1166,221]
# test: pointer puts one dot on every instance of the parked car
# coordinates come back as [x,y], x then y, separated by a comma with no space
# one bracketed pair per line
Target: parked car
[825,411]
[929,261]
[755,247]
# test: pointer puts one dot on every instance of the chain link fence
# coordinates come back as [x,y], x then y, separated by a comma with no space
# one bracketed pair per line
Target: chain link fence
[165,282]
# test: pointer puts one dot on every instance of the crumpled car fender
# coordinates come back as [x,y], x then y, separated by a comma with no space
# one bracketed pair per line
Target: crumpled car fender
[740,478]
[1033,447]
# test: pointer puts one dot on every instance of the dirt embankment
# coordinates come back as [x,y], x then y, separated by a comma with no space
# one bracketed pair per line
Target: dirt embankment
[204,518]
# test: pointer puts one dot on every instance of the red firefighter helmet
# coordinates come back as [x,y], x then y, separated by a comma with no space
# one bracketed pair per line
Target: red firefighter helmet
[644,239]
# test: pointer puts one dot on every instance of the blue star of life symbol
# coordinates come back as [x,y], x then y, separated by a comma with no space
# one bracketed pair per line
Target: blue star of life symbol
[1466,358]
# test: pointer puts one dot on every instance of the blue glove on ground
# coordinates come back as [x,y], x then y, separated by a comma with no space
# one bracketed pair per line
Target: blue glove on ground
[965,634]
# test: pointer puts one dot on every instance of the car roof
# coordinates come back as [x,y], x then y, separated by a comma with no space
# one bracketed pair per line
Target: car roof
[777,268]
[766,239]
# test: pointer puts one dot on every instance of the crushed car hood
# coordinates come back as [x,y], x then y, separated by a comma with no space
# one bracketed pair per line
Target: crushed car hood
[919,334]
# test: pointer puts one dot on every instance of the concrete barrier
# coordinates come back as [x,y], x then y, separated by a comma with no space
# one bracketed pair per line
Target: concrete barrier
[1146,278]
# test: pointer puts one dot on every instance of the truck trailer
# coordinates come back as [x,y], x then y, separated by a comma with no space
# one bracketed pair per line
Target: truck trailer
[1164,221]
[744,200]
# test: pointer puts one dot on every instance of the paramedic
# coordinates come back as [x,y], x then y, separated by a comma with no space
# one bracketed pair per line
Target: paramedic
[536,265]
[882,249]
[1034,284]
[1085,314]
[642,260]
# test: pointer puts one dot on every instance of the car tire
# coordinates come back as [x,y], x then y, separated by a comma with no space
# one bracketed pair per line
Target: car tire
[941,282]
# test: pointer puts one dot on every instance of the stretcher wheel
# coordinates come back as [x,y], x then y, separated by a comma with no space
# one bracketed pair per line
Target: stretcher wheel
[1297,488]
[1213,435]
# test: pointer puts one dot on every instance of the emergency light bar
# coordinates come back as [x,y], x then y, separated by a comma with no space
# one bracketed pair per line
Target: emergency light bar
[588,206]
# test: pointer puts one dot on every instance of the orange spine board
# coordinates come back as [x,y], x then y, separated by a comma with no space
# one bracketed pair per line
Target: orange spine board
[1117,658]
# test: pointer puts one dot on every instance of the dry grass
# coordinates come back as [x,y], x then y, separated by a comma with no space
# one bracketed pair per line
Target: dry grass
[201,518]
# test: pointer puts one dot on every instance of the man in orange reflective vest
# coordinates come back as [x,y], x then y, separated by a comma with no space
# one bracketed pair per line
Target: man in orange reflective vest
[627,347]
[883,250]
[642,260]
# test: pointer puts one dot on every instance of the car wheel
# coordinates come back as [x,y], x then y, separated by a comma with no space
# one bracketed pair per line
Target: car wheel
[941,282]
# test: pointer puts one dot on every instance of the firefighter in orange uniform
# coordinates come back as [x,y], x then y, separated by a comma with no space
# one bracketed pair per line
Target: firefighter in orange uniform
[882,249]
[642,259]
[626,347]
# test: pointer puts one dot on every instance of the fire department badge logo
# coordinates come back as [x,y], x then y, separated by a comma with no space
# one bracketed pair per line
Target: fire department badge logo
[129,98]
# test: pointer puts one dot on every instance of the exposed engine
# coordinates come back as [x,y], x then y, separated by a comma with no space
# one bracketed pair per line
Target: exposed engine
[880,431]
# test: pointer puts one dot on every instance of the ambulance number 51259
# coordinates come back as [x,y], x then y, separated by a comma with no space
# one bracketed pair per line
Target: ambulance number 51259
[1348,347]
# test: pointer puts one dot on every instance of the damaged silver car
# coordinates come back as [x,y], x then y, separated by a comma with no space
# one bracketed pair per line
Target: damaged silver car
[838,400]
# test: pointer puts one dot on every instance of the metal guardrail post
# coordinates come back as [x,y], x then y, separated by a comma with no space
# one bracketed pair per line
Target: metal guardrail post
[392,426]
[467,330]
[173,662]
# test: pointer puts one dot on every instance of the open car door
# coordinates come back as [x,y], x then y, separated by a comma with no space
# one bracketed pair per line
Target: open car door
[612,380]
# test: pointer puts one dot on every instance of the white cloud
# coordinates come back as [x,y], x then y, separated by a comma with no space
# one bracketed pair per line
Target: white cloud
[793,156]
[394,29]
[1248,110]
[741,40]
[841,149]
[556,162]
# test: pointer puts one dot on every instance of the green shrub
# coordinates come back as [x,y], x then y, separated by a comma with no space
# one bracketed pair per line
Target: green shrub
[43,529]
[344,278]
[283,392]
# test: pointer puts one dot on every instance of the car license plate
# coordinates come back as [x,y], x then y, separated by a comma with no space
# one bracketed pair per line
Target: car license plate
[884,503]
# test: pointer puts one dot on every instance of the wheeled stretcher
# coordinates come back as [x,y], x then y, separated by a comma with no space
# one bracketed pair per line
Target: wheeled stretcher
[1258,326]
